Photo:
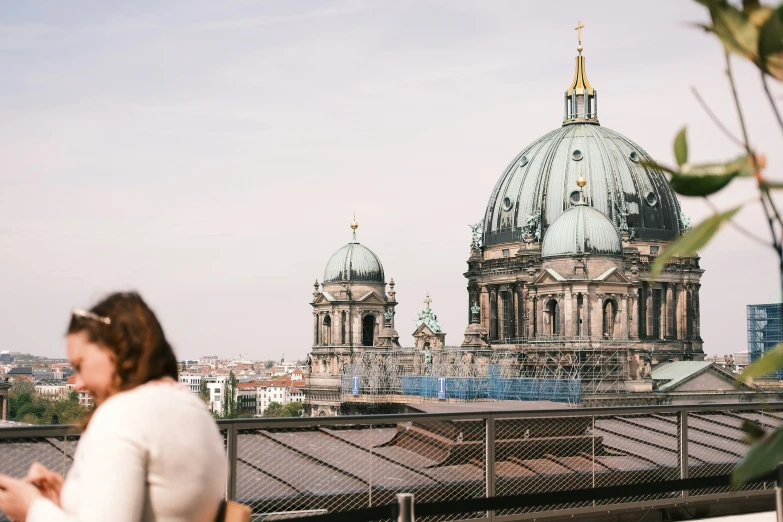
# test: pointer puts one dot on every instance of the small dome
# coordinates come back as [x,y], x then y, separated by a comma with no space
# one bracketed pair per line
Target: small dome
[354,262]
[581,230]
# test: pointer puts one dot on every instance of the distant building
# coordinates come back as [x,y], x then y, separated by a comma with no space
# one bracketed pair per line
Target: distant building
[284,368]
[53,390]
[5,357]
[208,360]
[20,373]
[765,329]
[247,397]
[85,399]
[191,380]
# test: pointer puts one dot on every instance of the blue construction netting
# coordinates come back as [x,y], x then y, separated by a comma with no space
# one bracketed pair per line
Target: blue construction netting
[765,331]
[477,388]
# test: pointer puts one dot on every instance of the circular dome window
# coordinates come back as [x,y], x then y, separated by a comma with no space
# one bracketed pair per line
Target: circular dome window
[651,199]
[634,156]
[574,197]
[523,161]
[507,203]
[577,155]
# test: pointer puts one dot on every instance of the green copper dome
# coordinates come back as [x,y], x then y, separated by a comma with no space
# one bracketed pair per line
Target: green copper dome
[581,230]
[540,184]
[354,262]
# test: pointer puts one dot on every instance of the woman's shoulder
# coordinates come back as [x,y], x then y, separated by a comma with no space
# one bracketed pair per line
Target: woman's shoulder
[150,402]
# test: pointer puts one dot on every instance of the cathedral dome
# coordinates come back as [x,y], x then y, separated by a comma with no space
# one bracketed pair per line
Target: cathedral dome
[536,187]
[354,262]
[581,230]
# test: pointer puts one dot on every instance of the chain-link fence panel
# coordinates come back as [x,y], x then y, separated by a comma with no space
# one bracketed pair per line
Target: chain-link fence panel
[286,472]
[17,454]
[716,445]
[541,455]
[632,449]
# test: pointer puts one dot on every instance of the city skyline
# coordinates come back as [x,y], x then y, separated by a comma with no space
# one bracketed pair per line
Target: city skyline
[212,157]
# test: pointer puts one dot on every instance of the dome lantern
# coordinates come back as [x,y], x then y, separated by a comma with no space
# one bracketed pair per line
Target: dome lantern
[581,100]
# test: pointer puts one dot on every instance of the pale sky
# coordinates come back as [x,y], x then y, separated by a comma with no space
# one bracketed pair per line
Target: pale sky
[211,154]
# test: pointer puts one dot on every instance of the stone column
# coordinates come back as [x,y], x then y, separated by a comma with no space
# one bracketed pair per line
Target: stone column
[530,311]
[696,313]
[570,315]
[513,328]
[518,328]
[502,327]
[679,303]
[664,323]
[622,333]
[596,315]
[670,323]
[540,331]
[633,312]
[493,312]
[648,309]
[484,304]
[315,328]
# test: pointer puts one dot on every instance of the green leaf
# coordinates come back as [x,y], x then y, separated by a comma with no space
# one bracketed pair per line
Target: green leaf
[771,361]
[762,458]
[753,431]
[703,180]
[703,185]
[681,148]
[771,34]
[693,240]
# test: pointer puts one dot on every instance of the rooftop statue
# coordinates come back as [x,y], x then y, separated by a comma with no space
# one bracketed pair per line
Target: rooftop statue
[427,317]
[476,231]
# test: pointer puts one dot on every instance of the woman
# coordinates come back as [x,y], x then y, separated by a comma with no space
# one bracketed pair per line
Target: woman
[150,451]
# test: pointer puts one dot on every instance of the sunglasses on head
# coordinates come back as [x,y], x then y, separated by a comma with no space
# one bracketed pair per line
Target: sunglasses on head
[80,312]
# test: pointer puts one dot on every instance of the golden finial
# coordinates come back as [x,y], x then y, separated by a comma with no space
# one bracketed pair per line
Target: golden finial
[354,224]
[581,182]
[578,29]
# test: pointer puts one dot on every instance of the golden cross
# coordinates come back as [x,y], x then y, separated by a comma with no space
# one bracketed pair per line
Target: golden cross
[578,29]
[427,301]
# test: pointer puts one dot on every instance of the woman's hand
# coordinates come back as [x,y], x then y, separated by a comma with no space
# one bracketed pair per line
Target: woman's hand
[16,497]
[48,482]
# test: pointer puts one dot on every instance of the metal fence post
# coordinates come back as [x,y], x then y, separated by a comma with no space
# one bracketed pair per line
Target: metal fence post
[405,507]
[682,435]
[489,455]
[779,494]
[231,450]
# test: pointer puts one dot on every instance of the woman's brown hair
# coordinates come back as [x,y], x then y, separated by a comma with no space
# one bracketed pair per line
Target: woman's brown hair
[123,324]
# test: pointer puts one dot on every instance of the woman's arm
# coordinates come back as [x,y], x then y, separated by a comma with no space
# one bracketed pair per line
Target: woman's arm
[112,474]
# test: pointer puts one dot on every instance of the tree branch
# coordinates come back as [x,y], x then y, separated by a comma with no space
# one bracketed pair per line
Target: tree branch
[775,243]
[737,226]
[715,119]
[771,100]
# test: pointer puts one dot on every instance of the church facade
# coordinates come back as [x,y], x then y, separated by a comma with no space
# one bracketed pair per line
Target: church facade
[559,280]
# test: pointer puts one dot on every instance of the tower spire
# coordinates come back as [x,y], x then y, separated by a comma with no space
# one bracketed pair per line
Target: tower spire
[354,226]
[581,100]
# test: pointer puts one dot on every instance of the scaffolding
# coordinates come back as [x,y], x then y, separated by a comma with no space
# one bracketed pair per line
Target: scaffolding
[765,331]
[553,368]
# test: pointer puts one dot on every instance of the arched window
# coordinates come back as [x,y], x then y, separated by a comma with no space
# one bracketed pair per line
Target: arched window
[328,330]
[553,312]
[610,313]
[342,330]
[368,330]
[579,304]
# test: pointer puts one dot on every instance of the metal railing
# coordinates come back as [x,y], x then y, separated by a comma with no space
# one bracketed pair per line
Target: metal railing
[292,467]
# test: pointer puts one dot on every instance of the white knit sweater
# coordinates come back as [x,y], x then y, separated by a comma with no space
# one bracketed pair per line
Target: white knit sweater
[149,454]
